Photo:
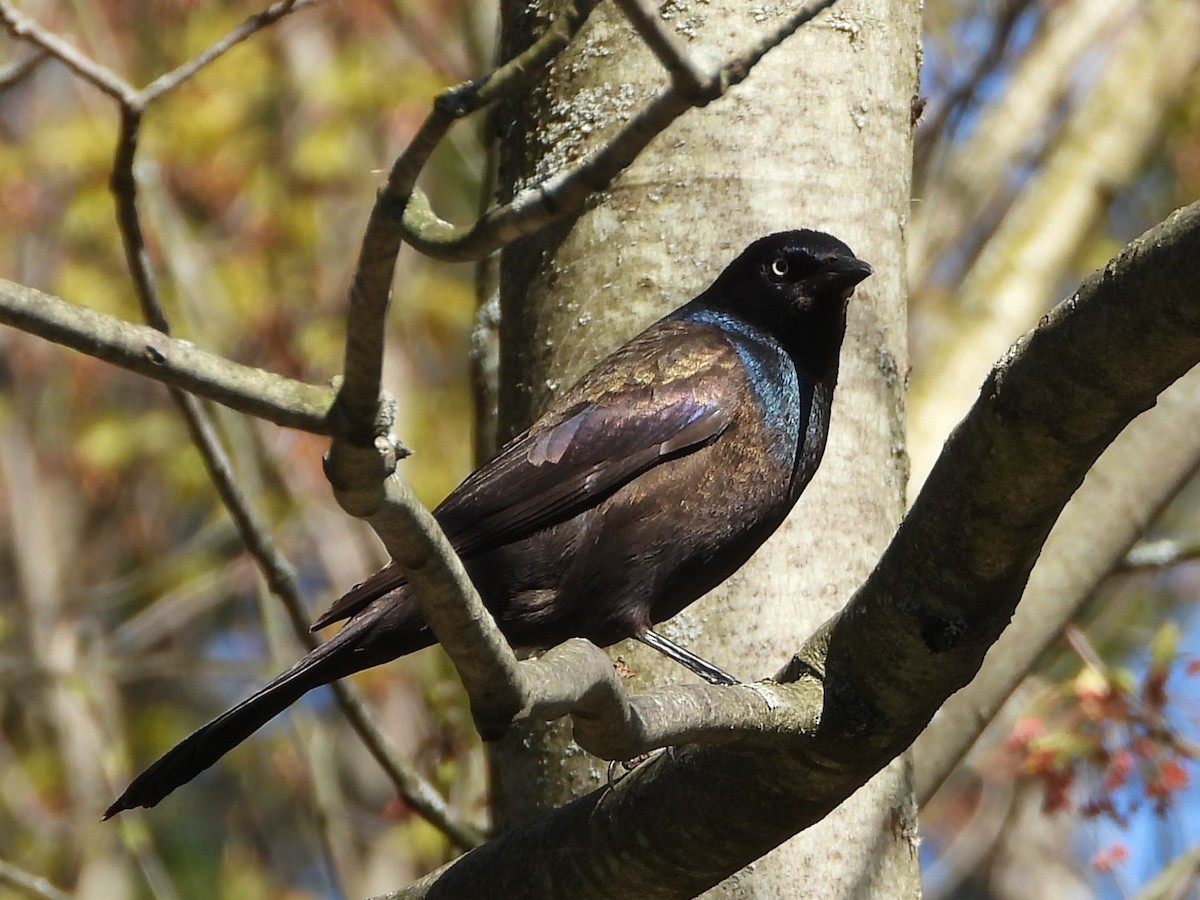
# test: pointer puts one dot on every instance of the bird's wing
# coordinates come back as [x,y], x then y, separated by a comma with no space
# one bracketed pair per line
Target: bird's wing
[671,390]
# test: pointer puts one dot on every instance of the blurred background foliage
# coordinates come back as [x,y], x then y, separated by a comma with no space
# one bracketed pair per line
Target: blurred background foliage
[1053,132]
[128,610]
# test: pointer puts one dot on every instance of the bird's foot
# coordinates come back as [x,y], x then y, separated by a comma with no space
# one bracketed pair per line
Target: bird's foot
[619,768]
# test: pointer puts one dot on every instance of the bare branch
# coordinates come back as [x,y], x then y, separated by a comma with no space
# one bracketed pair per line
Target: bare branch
[370,291]
[578,679]
[280,577]
[685,74]
[277,571]
[26,29]
[1091,539]
[35,885]
[563,195]
[23,28]
[367,487]
[149,352]
[14,73]
[171,80]
[409,783]
[281,581]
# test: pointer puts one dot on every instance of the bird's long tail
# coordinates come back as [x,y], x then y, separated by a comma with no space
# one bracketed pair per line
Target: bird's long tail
[388,628]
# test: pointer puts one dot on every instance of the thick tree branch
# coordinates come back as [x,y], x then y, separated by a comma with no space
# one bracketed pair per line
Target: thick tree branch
[1094,537]
[919,627]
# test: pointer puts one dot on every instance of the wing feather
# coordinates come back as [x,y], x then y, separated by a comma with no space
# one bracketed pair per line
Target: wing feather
[668,392]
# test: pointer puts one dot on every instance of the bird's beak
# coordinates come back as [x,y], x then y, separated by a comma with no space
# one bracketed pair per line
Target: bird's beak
[847,272]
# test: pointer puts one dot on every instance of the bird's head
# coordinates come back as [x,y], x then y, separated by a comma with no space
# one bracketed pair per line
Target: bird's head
[792,272]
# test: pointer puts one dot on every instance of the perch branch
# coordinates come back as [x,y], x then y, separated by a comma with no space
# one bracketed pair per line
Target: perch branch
[575,679]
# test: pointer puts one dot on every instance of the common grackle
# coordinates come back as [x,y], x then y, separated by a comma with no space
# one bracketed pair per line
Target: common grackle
[641,488]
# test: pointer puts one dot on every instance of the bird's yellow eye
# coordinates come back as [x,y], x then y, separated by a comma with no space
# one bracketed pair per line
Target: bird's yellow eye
[779,267]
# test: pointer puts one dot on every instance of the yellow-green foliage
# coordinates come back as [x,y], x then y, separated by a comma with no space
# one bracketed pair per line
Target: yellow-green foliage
[255,178]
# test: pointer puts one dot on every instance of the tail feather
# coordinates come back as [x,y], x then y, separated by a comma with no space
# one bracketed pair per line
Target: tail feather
[382,632]
[387,579]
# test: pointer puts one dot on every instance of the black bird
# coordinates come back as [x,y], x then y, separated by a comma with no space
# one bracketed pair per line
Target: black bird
[641,488]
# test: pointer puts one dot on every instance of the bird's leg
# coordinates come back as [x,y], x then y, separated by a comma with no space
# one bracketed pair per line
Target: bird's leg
[671,650]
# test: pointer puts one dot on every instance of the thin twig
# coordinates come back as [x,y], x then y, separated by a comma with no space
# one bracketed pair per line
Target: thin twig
[280,576]
[141,349]
[123,186]
[688,77]
[171,80]
[35,885]
[370,290]
[14,73]
[23,28]
[26,29]
[416,791]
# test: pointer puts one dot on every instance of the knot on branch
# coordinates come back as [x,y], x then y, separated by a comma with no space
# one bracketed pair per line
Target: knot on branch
[703,79]
[357,470]
[364,424]
[462,99]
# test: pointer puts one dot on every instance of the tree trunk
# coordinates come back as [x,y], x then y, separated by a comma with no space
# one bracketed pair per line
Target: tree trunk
[818,136]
